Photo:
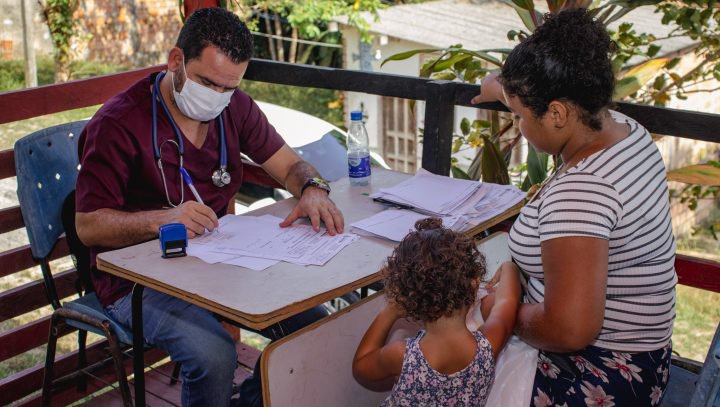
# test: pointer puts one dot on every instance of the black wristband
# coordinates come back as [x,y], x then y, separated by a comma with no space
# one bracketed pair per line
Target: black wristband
[316,182]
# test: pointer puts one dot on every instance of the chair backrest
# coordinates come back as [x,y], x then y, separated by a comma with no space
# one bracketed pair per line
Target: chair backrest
[79,252]
[707,389]
[46,163]
[327,156]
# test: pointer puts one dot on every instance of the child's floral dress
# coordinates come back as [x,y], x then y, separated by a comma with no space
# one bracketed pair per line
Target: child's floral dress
[421,385]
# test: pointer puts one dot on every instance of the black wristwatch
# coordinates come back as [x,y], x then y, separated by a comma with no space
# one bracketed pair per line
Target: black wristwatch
[316,182]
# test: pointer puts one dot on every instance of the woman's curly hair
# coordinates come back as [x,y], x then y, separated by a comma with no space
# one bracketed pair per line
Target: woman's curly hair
[566,58]
[433,271]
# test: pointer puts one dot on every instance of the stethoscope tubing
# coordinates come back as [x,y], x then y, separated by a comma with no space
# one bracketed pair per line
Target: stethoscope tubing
[179,142]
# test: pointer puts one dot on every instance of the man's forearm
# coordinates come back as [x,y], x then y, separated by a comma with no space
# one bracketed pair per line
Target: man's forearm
[300,172]
[111,228]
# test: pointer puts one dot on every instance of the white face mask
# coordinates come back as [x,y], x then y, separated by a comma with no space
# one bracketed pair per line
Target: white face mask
[199,102]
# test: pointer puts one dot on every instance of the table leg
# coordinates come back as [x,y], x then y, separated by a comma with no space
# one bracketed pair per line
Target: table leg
[138,345]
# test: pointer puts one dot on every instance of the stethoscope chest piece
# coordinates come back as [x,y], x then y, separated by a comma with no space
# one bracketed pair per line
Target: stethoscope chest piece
[221,177]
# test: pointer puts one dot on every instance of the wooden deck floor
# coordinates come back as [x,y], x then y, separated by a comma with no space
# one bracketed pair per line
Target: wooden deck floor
[160,393]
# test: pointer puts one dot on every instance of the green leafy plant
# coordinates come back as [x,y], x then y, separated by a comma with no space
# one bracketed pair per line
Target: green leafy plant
[493,139]
[295,29]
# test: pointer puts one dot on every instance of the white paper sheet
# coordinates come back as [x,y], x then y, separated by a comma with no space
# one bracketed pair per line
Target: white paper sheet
[259,242]
[468,202]
[394,224]
[431,193]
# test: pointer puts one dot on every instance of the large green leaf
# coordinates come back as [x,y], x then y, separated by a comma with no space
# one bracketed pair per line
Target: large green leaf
[448,63]
[458,173]
[407,54]
[555,5]
[699,174]
[529,16]
[620,14]
[536,165]
[484,56]
[635,78]
[494,168]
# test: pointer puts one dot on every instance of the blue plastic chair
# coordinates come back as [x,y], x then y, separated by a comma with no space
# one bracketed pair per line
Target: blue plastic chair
[47,165]
[328,157]
[707,389]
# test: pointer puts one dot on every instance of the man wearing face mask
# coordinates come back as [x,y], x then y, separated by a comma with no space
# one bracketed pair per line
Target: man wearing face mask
[137,154]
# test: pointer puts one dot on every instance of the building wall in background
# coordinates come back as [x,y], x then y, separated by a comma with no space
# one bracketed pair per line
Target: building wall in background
[129,32]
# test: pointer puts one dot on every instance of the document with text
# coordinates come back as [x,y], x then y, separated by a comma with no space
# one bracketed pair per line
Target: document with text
[259,242]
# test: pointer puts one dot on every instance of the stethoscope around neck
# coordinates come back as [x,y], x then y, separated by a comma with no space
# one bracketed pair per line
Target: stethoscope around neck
[220,177]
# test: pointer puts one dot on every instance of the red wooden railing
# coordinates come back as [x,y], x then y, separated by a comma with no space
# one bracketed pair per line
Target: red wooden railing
[29,103]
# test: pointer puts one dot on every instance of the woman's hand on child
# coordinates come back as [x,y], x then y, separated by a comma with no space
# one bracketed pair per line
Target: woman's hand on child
[490,90]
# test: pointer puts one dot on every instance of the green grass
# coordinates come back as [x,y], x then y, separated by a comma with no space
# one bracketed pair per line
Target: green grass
[698,311]
[11,132]
[698,314]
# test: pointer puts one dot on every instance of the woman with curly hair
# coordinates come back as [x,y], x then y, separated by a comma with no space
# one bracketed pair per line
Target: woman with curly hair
[595,242]
[433,277]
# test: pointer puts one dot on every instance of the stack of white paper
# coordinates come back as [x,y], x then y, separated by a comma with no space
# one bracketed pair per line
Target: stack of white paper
[430,193]
[394,224]
[258,243]
[462,204]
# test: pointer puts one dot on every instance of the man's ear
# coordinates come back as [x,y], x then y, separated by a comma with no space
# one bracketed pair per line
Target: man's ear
[559,113]
[175,59]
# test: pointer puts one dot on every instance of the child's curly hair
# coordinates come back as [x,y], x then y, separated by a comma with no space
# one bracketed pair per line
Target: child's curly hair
[431,273]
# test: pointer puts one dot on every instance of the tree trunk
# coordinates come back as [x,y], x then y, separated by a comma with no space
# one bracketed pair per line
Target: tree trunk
[271,44]
[293,45]
[279,38]
[62,70]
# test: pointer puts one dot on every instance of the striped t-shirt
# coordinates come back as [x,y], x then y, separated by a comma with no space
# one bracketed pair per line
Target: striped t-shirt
[619,194]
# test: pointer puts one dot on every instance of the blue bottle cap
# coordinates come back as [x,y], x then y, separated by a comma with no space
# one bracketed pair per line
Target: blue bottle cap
[354,116]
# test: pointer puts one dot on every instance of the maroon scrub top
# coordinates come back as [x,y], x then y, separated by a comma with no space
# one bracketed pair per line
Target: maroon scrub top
[119,170]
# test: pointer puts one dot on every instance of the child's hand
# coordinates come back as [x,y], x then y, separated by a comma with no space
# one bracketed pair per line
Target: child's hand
[511,281]
[502,306]
[392,311]
[494,282]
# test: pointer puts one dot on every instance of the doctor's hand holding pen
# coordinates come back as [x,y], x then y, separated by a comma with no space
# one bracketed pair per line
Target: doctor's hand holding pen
[195,215]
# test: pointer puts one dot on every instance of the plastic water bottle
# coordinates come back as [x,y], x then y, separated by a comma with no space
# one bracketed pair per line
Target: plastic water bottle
[358,151]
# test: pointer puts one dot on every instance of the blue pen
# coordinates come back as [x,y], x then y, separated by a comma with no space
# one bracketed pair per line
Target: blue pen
[188,180]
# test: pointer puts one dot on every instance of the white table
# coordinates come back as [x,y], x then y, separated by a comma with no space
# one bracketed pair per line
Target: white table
[257,299]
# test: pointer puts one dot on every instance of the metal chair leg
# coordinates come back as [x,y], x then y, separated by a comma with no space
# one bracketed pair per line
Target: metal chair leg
[138,345]
[82,360]
[118,362]
[49,362]
[175,374]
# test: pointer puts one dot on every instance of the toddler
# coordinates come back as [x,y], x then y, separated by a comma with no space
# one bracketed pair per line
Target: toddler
[433,277]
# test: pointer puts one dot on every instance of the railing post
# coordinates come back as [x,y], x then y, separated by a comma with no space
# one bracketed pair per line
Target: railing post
[439,118]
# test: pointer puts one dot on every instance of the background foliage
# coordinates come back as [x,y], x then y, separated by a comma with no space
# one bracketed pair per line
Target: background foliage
[58,15]
[653,80]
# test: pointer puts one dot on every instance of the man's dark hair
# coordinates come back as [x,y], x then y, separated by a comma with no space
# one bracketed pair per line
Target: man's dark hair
[217,27]
[567,59]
